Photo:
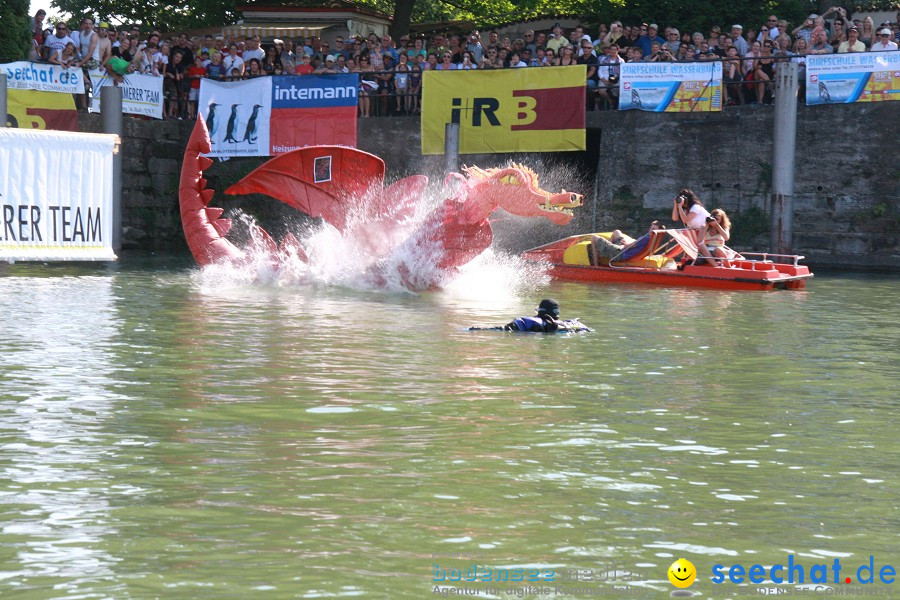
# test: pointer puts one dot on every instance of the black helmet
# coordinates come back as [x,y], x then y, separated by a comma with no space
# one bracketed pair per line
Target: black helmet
[548,306]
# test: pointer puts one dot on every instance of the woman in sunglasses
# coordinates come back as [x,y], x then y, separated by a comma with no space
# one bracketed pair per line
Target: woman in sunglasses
[446,63]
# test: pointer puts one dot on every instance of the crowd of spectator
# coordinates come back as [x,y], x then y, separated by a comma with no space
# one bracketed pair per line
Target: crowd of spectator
[390,72]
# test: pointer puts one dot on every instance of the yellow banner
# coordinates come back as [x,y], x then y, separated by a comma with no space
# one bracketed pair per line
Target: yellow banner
[511,110]
[32,109]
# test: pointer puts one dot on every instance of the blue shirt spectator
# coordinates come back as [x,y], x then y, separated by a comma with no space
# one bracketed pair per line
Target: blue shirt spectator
[651,36]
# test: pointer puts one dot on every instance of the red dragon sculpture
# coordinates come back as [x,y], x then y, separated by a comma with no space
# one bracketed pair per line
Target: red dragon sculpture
[345,187]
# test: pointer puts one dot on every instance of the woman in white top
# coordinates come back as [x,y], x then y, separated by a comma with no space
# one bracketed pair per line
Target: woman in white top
[515,62]
[687,208]
[151,62]
[468,62]
[65,56]
[233,61]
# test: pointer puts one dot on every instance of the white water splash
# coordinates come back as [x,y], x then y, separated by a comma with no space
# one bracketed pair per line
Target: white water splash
[357,259]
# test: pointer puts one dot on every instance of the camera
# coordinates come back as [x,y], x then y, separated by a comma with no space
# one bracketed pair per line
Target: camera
[710,219]
[680,198]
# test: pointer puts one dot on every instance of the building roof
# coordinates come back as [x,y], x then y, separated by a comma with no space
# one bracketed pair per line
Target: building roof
[294,6]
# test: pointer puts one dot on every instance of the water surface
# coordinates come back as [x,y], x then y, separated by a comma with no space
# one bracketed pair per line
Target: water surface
[165,435]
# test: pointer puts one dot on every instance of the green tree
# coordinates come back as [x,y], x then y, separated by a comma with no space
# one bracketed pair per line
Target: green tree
[15,41]
[165,16]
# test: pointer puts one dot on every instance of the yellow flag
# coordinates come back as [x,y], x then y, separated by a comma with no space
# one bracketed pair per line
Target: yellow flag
[532,109]
[32,109]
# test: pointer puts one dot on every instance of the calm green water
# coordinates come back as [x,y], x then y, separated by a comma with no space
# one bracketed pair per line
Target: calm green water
[163,436]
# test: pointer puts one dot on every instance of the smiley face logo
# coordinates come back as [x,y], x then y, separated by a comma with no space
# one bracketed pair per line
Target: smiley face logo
[682,573]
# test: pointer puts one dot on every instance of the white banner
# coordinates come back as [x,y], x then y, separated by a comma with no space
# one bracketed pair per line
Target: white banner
[237,114]
[55,195]
[671,87]
[141,94]
[44,77]
[853,77]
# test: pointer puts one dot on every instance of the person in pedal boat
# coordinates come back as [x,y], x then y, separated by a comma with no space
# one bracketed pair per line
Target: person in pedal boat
[618,242]
[545,321]
[687,208]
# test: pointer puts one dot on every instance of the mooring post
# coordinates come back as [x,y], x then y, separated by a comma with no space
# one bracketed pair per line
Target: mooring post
[781,232]
[111,119]
[4,108]
[451,148]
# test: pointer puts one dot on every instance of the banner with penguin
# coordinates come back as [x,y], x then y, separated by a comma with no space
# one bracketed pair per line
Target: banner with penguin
[273,115]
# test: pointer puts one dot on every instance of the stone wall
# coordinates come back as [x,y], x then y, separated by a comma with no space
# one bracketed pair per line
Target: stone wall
[846,190]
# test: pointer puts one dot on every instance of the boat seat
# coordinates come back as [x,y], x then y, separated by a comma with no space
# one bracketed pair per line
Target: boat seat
[650,262]
[579,253]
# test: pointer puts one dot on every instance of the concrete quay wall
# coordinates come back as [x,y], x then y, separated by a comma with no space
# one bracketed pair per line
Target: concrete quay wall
[846,194]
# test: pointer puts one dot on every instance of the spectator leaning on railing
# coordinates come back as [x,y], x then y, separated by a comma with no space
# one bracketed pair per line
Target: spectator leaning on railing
[884,43]
[396,89]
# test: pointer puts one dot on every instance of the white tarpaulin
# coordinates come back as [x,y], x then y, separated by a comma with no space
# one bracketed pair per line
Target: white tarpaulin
[141,94]
[56,195]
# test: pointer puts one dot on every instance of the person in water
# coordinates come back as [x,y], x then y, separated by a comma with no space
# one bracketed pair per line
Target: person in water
[545,321]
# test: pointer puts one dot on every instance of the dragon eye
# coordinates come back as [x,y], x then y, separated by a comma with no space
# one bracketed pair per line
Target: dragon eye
[510,180]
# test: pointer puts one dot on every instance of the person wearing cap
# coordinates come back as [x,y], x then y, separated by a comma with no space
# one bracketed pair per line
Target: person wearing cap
[646,41]
[852,43]
[805,30]
[104,45]
[302,65]
[737,39]
[329,66]
[558,40]
[884,43]
[581,46]
[587,57]
[545,321]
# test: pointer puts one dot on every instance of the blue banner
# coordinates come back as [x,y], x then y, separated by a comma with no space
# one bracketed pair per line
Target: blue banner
[315,91]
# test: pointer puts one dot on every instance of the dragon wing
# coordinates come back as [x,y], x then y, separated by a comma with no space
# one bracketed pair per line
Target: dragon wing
[321,181]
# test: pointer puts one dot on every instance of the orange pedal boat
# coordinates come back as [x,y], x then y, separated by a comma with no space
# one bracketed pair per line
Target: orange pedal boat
[664,257]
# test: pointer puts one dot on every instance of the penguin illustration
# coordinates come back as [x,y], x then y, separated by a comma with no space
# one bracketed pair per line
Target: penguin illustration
[212,124]
[250,132]
[232,125]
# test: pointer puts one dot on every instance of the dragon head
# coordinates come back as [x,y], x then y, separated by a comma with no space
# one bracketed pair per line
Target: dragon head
[516,190]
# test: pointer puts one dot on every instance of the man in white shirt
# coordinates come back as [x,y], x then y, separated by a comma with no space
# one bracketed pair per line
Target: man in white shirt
[770,24]
[884,43]
[58,41]
[253,50]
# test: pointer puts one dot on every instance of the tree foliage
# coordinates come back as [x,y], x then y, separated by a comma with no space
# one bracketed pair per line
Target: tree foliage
[15,39]
[690,15]
[157,14]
